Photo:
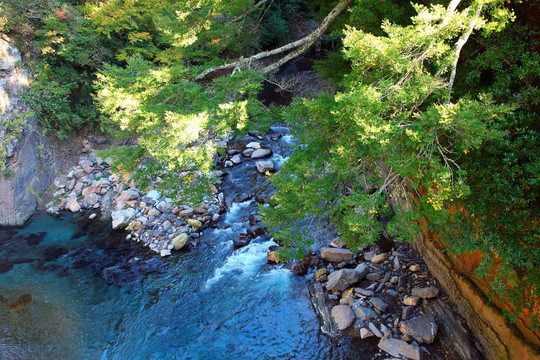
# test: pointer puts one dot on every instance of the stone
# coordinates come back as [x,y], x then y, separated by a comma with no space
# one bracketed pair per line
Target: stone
[343,316]
[422,328]
[195,223]
[256,230]
[425,293]
[336,255]
[407,312]
[179,241]
[411,300]
[319,273]
[261,153]
[364,313]
[299,269]
[342,279]
[236,159]
[241,240]
[397,348]
[153,212]
[121,218]
[154,195]
[264,166]
[378,304]
[73,206]
[349,301]
[165,252]
[364,292]
[248,152]
[91,200]
[374,330]
[414,268]
[379,258]
[187,212]
[61,181]
[200,210]
[271,257]
[253,145]
[365,333]
[336,243]
[228,163]
[373,277]
[128,195]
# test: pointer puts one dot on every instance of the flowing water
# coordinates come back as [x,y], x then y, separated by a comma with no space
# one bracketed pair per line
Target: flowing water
[95,295]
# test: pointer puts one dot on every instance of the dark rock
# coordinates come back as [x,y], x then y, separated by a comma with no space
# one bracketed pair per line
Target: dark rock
[243,198]
[53,252]
[378,304]
[299,269]
[422,328]
[21,302]
[241,240]
[311,260]
[35,239]
[364,313]
[425,293]
[77,235]
[5,266]
[407,312]
[254,219]
[256,230]
[261,199]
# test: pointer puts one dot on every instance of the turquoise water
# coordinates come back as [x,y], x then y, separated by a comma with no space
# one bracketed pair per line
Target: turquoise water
[95,295]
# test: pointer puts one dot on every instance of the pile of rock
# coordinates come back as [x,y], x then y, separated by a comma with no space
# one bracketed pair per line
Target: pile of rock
[254,151]
[149,217]
[377,295]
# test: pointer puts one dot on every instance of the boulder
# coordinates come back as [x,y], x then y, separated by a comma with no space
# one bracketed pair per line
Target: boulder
[236,159]
[121,218]
[272,257]
[336,255]
[342,279]
[399,348]
[179,241]
[256,230]
[363,313]
[264,166]
[247,152]
[241,241]
[425,293]
[422,328]
[343,316]
[253,145]
[299,269]
[261,153]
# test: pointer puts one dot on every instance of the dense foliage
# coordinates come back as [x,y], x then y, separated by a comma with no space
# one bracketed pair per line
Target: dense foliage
[412,132]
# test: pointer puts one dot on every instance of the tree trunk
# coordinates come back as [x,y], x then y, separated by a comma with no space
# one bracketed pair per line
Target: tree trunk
[300,45]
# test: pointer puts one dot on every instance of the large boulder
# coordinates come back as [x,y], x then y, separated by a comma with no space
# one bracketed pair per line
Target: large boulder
[342,279]
[422,328]
[343,316]
[336,255]
[122,218]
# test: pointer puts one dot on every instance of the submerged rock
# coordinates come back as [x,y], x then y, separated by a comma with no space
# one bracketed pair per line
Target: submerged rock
[35,239]
[21,302]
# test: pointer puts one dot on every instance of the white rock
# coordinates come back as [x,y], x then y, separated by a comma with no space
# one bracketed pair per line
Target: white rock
[179,241]
[261,153]
[154,195]
[165,252]
[236,159]
[264,166]
[253,145]
[121,218]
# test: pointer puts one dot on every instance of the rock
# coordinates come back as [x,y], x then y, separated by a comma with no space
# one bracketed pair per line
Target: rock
[21,302]
[254,219]
[378,304]
[272,257]
[228,163]
[121,218]
[73,206]
[411,300]
[241,240]
[374,330]
[336,255]
[364,292]
[179,241]
[342,279]
[128,195]
[362,269]
[414,268]
[194,223]
[365,333]
[299,269]
[343,316]
[236,159]
[264,166]
[201,210]
[61,181]
[425,293]
[165,252]
[399,348]
[91,200]
[422,328]
[253,145]
[256,230]
[379,258]
[319,273]
[363,313]
[336,243]
[373,277]
[407,312]
[247,152]
[261,153]
[54,211]
[311,260]
[153,212]
[187,212]
[154,195]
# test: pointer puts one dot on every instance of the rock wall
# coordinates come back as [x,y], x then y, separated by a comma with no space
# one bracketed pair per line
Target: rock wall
[29,159]
[498,338]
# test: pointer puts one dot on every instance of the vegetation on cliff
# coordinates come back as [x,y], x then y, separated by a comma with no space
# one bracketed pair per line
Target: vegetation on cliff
[435,117]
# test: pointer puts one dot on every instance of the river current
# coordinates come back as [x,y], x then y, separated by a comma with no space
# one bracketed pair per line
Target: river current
[95,295]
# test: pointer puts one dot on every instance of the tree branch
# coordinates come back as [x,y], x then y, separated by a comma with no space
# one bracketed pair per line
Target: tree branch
[302,45]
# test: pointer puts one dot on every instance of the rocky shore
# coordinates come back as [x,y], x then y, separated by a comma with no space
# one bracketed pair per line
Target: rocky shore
[161,223]
[385,298]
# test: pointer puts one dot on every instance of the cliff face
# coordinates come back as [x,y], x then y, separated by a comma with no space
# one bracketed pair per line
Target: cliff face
[28,159]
